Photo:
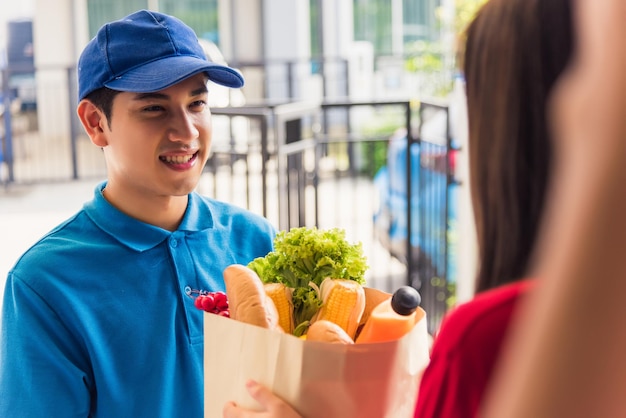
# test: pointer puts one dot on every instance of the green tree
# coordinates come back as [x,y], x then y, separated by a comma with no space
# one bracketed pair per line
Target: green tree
[436,60]
[465,10]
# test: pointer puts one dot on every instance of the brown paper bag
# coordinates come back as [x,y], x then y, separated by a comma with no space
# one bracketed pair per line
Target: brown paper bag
[318,379]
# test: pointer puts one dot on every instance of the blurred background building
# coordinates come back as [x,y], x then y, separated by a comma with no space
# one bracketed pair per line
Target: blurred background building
[336,93]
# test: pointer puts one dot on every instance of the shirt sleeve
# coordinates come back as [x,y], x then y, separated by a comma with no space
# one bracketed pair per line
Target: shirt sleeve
[446,390]
[41,369]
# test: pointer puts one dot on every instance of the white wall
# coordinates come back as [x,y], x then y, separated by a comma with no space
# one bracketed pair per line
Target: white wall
[11,10]
[467,245]
[241,37]
[286,36]
[59,34]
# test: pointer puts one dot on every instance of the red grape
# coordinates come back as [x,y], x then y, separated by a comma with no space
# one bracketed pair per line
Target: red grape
[208,302]
[221,301]
[198,302]
[213,302]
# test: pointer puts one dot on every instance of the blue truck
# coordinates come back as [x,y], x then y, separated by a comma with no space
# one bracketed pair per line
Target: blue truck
[433,215]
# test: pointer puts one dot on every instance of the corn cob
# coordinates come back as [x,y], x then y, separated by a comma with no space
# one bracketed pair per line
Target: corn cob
[281,295]
[344,303]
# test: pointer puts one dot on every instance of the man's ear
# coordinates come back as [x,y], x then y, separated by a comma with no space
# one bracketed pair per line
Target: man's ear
[94,121]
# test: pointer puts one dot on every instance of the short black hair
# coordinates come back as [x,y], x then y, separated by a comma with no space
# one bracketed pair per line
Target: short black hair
[102,98]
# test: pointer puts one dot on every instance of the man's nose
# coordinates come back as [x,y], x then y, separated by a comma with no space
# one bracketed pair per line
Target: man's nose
[184,127]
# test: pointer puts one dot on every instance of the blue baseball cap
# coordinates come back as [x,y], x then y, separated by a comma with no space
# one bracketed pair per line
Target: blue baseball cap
[145,52]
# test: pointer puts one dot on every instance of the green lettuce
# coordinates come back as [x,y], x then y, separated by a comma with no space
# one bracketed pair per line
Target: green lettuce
[302,258]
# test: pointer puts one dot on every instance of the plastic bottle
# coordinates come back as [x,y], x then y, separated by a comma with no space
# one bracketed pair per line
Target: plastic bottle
[391,319]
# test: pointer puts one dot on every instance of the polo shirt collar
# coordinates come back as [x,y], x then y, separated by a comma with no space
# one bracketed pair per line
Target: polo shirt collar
[138,235]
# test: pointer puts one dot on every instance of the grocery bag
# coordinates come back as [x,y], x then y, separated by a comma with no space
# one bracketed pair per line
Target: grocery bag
[319,379]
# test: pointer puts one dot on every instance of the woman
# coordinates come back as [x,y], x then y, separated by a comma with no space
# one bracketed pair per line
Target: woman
[566,357]
[515,51]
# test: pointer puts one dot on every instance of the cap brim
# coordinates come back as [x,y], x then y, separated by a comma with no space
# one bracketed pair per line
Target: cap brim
[163,73]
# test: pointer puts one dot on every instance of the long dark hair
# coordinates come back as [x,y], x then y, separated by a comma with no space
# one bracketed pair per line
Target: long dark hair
[515,50]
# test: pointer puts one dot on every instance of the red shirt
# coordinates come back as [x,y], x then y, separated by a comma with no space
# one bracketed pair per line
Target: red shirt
[464,353]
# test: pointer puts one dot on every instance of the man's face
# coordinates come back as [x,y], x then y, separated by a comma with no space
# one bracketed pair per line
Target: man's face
[159,142]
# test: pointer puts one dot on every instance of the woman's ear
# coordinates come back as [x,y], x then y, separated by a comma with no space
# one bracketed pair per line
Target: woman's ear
[94,121]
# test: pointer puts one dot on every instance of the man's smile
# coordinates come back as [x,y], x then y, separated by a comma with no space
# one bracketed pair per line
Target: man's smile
[179,159]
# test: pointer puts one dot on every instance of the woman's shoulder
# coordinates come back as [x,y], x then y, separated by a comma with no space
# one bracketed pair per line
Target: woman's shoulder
[485,317]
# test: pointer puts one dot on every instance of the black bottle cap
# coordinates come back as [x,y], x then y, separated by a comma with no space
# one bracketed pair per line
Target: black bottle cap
[405,300]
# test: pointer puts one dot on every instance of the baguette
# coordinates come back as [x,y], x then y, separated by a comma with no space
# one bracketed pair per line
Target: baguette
[247,299]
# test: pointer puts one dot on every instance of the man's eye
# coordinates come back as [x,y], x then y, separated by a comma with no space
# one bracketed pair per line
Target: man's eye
[198,105]
[153,108]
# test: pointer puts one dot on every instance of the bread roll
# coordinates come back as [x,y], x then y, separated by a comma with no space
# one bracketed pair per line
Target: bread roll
[327,331]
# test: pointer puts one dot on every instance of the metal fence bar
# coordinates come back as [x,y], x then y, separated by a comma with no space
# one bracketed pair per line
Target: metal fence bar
[7,138]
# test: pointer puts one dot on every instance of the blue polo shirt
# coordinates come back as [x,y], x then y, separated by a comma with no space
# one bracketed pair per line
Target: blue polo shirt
[97,319]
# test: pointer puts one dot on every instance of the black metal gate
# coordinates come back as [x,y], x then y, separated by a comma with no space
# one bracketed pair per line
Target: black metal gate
[382,170]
